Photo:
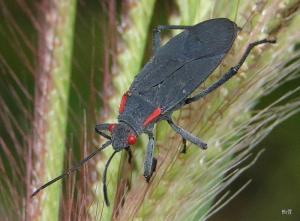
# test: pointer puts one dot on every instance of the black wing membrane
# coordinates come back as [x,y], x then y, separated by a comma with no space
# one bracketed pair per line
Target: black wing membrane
[184,62]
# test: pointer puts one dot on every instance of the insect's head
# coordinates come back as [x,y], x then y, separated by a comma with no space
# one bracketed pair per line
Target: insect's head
[122,136]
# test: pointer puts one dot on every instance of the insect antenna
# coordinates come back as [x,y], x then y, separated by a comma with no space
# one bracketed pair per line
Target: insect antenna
[72,169]
[104,178]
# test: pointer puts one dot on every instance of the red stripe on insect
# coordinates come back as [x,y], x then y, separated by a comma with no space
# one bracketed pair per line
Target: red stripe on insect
[123,103]
[111,127]
[152,116]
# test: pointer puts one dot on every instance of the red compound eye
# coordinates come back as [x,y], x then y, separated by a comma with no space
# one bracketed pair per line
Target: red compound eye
[131,139]
[111,127]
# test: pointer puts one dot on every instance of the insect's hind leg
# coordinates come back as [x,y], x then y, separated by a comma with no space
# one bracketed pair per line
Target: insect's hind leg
[232,71]
[150,161]
[186,135]
[158,29]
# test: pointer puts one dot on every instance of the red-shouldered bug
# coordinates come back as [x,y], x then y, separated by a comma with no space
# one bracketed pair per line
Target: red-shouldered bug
[165,84]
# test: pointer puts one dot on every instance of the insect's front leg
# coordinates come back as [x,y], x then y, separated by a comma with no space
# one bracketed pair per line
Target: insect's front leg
[150,161]
[128,150]
[99,128]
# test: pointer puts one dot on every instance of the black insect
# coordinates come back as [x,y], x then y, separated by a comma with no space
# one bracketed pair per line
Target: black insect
[165,84]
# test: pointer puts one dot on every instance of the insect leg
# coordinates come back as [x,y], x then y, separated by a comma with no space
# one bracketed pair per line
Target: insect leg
[128,150]
[158,29]
[186,135]
[100,128]
[183,150]
[232,71]
[150,161]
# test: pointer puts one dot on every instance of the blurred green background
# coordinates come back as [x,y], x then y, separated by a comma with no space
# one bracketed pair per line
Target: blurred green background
[275,176]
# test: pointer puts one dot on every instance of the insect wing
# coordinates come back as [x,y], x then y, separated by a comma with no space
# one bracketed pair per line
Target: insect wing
[183,63]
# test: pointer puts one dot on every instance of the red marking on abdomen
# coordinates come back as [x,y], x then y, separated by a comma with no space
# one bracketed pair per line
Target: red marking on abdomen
[152,116]
[123,103]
